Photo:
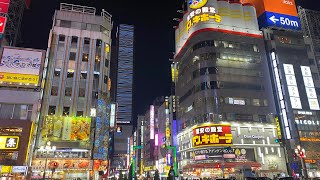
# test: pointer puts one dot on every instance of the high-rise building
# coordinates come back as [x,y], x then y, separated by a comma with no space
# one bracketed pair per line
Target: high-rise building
[20,100]
[123,92]
[74,107]
[295,78]
[226,105]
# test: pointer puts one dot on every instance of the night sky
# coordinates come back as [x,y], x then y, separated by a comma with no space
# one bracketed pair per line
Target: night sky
[154,37]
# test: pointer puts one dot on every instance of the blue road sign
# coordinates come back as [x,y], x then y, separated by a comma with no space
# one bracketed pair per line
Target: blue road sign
[270,19]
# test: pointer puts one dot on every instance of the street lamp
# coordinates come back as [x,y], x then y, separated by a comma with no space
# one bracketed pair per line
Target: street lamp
[48,148]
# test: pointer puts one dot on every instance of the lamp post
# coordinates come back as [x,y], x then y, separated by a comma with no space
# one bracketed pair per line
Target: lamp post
[47,148]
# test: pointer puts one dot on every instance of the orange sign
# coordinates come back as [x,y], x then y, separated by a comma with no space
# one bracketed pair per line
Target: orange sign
[287,7]
[212,135]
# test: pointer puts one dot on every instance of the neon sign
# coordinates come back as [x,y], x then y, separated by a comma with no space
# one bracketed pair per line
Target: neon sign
[212,135]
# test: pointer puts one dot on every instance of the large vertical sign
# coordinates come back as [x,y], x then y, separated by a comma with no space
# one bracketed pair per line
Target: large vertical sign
[280,93]
[276,13]
[310,90]
[168,128]
[292,86]
[151,122]
[101,141]
[112,115]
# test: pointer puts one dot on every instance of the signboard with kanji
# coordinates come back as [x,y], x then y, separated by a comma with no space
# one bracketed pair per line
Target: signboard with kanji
[212,135]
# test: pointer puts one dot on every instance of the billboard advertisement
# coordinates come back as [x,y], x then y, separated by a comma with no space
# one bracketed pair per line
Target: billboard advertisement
[21,66]
[219,16]
[212,135]
[4,7]
[63,128]
[276,13]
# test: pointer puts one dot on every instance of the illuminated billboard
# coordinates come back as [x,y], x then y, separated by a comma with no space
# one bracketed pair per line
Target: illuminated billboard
[9,142]
[4,6]
[212,135]
[310,89]
[276,13]
[21,66]
[151,122]
[3,21]
[63,128]
[218,16]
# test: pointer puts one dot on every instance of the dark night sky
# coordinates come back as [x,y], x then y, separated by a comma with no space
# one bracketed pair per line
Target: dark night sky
[154,37]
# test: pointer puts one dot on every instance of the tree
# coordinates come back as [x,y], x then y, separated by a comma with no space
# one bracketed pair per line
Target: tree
[156,175]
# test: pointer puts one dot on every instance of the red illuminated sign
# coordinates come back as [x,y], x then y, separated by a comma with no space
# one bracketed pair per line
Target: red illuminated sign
[212,135]
[4,7]
[2,24]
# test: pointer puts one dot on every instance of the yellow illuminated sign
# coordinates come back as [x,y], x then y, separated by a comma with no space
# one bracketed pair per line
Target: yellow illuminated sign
[203,14]
[212,135]
[9,142]
[6,169]
[278,127]
[19,78]
[195,4]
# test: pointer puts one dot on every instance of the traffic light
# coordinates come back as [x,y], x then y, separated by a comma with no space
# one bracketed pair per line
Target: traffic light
[278,141]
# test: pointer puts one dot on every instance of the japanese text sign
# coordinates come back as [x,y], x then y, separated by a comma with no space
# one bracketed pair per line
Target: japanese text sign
[212,135]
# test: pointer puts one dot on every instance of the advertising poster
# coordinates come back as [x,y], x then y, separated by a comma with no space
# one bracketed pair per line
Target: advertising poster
[63,128]
[20,65]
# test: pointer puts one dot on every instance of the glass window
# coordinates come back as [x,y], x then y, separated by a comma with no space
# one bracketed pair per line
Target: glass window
[70,74]
[106,63]
[62,38]
[85,57]
[75,25]
[56,73]
[74,39]
[83,76]
[79,113]
[66,110]
[66,24]
[105,79]
[72,56]
[52,110]
[54,91]
[256,102]
[82,92]
[68,91]
[87,41]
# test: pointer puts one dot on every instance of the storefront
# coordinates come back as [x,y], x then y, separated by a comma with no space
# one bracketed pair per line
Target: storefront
[14,148]
[230,150]
[62,168]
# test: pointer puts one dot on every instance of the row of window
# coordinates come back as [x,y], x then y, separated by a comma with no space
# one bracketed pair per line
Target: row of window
[210,117]
[236,71]
[221,85]
[81,26]
[226,44]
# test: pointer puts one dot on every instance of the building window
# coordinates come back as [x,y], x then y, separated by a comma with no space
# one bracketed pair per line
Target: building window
[66,24]
[56,73]
[79,113]
[66,110]
[105,79]
[72,56]
[83,76]
[99,43]
[86,41]
[256,102]
[85,57]
[70,74]
[54,91]
[68,91]
[52,110]
[62,38]
[106,63]
[74,39]
[82,92]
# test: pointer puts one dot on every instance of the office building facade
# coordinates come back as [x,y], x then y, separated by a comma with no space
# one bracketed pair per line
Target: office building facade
[76,93]
[124,63]
[225,95]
